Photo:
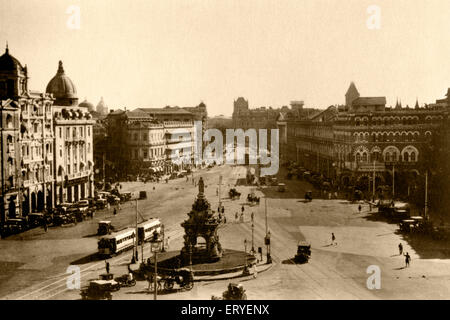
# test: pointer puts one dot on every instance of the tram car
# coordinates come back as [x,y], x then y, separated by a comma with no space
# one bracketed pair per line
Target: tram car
[147,228]
[116,242]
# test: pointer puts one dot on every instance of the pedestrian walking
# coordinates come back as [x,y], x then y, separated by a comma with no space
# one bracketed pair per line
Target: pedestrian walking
[333,239]
[407,259]
[329,195]
[359,208]
[242,209]
[149,279]
[255,271]
[115,211]
[45,225]
[400,249]
[108,206]
[253,216]
[236,216]
[223,210]
[336,194]
[119,206]
[107,266]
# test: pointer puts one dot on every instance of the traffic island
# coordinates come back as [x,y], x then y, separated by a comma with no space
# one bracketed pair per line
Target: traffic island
[232,261]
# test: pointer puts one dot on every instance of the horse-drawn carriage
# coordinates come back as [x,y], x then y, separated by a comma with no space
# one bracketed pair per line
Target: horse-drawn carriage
[234,194]
[183,277]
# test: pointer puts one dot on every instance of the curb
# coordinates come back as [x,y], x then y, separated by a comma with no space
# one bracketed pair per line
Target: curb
[232,276]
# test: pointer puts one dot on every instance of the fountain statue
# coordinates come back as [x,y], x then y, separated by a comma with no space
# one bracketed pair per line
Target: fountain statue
[201,223]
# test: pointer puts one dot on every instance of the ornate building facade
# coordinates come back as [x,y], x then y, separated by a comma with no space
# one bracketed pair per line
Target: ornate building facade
[73,143]
[353,143]
[44,137]
[149,138]
[27,143]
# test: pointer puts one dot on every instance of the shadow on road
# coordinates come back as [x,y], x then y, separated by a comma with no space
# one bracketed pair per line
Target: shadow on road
[90,258]
[91,235]
[400,268]
[377,217]
[161,292]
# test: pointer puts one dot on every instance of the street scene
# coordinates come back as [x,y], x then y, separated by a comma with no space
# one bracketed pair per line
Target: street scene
[243,150]
[335,271]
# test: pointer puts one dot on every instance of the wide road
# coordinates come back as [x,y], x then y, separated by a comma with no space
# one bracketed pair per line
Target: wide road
[34,264]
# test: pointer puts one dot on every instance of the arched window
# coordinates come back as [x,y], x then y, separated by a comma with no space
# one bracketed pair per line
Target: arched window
[364,157]
[394,156]
[358,157]
[9,121]
[413,157]
[387,157]
[406,157]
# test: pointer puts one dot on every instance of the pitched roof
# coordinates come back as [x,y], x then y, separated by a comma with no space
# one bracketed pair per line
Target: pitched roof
[137,114]
[352,89]
[170,110]
[367,101]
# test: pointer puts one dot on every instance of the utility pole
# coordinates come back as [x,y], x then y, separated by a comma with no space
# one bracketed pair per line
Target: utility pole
[373,191]
[253,238]
[136,249]
[104,173]
[155,278]
[426,194]
[267,238]
[393,181]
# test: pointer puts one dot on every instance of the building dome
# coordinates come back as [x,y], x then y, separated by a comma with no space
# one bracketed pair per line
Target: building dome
[9,63]
[87,104]
[102,108]
[62,88]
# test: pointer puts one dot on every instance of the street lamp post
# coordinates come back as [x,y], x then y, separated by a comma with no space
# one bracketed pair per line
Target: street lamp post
[155,245]
[267,238]
[253,238]
[269,258]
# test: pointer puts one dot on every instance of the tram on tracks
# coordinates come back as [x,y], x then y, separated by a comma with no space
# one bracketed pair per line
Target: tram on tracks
[122,240]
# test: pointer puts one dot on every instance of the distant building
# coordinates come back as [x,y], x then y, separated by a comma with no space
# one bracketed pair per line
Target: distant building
[347,144]
[150,137]
[102,108]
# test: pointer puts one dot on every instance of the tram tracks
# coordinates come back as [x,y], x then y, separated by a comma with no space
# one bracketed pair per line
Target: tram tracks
[51,287]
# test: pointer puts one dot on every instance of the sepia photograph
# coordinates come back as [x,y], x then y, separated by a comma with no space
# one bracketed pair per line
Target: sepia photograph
[195,150]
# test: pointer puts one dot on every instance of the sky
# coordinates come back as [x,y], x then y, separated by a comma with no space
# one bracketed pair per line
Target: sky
[153,53]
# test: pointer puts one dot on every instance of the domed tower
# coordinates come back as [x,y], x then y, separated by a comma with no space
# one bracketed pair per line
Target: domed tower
[102,108]
[62,88]
[87,104]
[13,77]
